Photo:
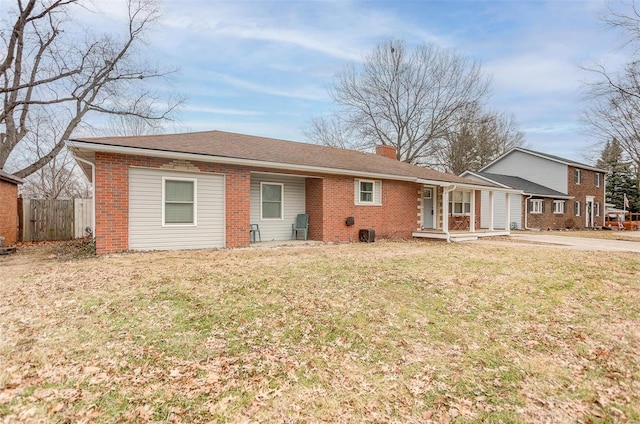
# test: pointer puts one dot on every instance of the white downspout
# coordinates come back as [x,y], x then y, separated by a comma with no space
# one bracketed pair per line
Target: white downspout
[445,210]
[526,212]
[93,188]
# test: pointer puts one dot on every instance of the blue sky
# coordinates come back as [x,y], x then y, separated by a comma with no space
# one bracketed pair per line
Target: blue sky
[263,67]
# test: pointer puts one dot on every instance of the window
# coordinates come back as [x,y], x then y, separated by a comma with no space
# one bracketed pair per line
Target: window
[577,176]
[596,209]
[536,205]
[271,200]
[576,208]
[598,178]
[558,206]
[368,192]
[460,203]
[179,201]
[428,193]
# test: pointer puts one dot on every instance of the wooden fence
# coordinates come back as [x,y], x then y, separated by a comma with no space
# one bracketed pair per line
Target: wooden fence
[46,219]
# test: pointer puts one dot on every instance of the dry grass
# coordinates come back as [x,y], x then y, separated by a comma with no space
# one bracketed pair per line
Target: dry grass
[591,234]
[387,332]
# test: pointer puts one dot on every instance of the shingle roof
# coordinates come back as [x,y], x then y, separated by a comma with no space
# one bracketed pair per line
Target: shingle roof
[247,147]
[10,178]
[528,187]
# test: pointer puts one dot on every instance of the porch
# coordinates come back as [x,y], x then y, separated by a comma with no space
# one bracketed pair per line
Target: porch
[459,235]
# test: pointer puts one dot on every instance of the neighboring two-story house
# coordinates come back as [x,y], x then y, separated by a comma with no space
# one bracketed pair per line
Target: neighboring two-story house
[557,193]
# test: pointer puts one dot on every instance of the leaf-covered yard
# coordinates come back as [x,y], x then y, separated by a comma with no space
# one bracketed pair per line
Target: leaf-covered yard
[384,332]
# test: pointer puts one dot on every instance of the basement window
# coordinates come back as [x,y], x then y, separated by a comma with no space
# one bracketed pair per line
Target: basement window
[179,204]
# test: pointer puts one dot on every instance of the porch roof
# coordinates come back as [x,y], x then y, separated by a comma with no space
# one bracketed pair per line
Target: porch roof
[241,149]
[527,187]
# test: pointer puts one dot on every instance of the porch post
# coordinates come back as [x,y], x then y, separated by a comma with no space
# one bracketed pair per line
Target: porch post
[507,225]
[490,210]
[445,210]
[472,218]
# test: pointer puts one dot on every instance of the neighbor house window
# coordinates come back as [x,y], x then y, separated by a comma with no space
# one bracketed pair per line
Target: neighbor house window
[576,208]
[597,179]
[536,206]
[179,201]
[577,176]
[558,206]
[368,192]
[460,203]
[271,200]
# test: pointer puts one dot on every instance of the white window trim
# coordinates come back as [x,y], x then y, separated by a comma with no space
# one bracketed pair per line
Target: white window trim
[262,218]
[562,205]
[376,199]
[578,205]
[598,178]
[536,206]
[452,203]
[596,207]
[428,193]
[578,180]
[195,201]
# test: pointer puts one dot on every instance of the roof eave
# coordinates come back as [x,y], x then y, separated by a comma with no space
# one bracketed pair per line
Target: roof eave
[84,146]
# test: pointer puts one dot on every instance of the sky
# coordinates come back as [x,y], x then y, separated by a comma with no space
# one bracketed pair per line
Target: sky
[264,67]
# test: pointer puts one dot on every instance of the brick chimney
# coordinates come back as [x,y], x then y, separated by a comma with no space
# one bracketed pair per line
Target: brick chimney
[386,151]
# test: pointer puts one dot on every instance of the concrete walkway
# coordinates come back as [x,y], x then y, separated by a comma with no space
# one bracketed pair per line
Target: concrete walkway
[576,243]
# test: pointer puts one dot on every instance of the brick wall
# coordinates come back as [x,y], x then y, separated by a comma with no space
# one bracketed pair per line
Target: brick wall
[568,219]
[397,217]
[8,212]
[330,200]
[580,192]
[112,199]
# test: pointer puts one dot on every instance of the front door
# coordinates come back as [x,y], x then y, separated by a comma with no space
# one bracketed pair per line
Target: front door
[589,212]
[427,208]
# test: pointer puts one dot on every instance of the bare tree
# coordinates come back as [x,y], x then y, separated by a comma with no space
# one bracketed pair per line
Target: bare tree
[53,69]
[406,98]
[613,110]
[478,138]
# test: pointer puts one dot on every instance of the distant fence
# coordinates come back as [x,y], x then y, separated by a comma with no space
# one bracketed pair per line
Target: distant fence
[46,219]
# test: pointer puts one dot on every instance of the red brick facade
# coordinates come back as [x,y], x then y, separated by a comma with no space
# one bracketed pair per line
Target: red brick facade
[579,191]
[8,212]
[329,202]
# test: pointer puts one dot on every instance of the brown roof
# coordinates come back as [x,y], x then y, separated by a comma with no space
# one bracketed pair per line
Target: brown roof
[247,147]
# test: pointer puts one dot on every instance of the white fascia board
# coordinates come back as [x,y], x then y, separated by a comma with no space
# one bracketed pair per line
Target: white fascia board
[469,186]
[232,161]
[483,178]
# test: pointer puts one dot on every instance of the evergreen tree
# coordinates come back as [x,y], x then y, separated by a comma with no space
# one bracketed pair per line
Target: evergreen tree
[621,178]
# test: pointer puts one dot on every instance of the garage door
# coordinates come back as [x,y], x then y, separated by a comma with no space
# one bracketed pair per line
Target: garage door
[149,229]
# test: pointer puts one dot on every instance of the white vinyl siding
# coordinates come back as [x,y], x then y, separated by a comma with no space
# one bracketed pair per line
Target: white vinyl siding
[533,168]
[499,212]
[368,192]
[147,230]
[293,202]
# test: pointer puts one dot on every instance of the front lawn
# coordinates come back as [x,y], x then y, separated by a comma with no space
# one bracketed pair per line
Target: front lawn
[383,332]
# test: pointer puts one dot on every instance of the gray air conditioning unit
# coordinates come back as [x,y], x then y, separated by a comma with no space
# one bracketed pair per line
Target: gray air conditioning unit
[367,235]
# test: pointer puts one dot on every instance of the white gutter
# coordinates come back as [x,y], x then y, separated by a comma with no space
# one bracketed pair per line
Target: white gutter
[93,188]
[446,190]
[526,212]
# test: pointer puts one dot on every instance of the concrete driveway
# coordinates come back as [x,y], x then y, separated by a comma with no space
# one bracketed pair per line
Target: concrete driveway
[576,243]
